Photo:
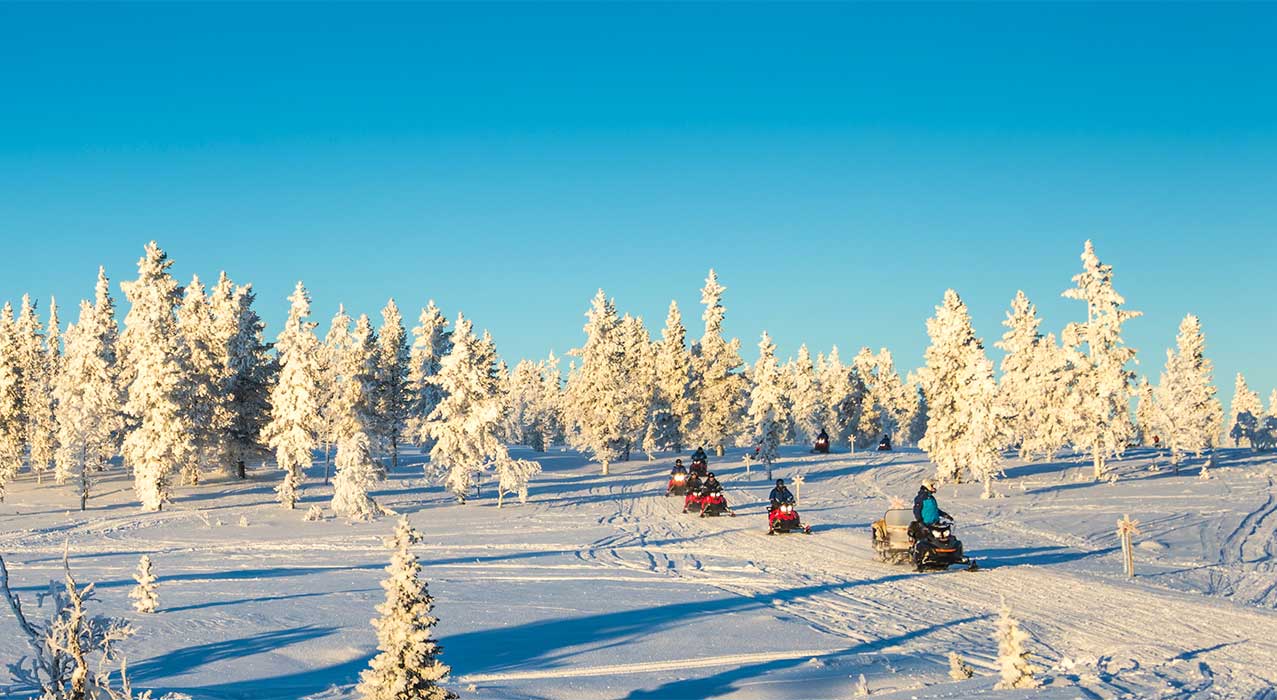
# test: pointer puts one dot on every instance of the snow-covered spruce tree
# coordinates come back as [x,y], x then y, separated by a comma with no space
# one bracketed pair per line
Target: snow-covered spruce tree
[550,410]
[332,359]
[12,416]
[37,390]
[898,400]
[844,396]
[158,394]
[88,398]
[250,373]
[638,385]
[294,412]
[670,418]
[1244,401]
[807,397]
[720,388]
[357,471]
[392,380]
[523,424]
[1052,377]
[768,406]
[408,665]
[1272,403]
[946,360]
[918,419]
[1101,381]
[595,392]
[205,395]
[1013,656]
[982,441]
[466,425]
[144,596]
[1020,399]
[958,669]
[1191,415]
[431,341]
[1147,416]
[870,428]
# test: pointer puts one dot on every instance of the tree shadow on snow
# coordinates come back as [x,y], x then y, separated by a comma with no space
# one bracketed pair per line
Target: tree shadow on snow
[183,660]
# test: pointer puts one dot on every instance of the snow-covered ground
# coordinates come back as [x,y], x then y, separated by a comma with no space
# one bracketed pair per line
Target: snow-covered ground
[599,587]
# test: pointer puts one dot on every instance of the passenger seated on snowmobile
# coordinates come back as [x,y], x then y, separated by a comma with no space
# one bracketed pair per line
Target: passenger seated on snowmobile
[780,495]
[678,468]
[711,484]
[693,483]
[925,508]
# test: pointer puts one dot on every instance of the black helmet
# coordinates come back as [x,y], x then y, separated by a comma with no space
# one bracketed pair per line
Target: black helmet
[780,482]
[710,475]
[678,461]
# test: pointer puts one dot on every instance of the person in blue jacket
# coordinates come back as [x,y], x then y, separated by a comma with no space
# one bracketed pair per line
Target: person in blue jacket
[925,508]
[780,495]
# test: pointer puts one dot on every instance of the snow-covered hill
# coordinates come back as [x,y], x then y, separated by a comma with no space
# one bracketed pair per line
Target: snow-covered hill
[599,587]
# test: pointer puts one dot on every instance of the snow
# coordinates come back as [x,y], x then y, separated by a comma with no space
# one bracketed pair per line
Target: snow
[598,587]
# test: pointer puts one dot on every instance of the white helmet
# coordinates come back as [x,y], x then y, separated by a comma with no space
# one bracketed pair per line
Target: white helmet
[929,484]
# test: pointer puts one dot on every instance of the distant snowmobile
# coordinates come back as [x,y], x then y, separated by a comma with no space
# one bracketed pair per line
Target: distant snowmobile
[713,503]
[677,485]
[884,445]
[700,466]
[821,446]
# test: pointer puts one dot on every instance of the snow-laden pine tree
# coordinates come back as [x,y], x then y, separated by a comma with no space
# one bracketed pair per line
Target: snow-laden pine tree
[958,669]
[982,439]
[768,405]
[392,380]
[466,424]
[250,373]
[596,392]
[844,396]
[1013,656]
[550,412]
[294,411]
[332,359]
[1272,403]
[720,388]
[1020,399]
[670,418]
[357,471]
[205,395]
[1101,423]
[12,417]
[407,666]
[638,368]
[807,397]
[1191,415]
[524,399]
[88,397]
[158,394]
[898,401]
[431,341]
[921,413]
[1147,416]
[870,428]
[1244,401]
[145,597]
[37,390]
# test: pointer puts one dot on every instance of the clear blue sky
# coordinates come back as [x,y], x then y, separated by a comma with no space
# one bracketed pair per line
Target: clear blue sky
[841,165]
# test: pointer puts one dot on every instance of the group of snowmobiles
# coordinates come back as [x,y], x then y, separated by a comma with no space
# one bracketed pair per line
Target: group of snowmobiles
[922,537]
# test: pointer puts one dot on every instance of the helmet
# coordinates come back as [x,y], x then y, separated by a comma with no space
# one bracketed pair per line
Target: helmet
[710,475]
[780,482]
[678,461]
[929,484]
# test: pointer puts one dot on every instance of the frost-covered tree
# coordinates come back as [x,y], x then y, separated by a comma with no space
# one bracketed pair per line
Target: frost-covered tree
[768,406]
[12,416]
[1244,401]
[205,397]
[1013,656]
[1020,399]
[671,416]
[332,359]
[356,475]
[1147,418]
[638,381]
[37,390]
[720,388]
[87,394]
[392,380]
[1272,403]
[466,425]
[145,597]
[872,412]
[294,412]
[918,419]
[596,392]
[806,397]
[962,426]
[357,472]
[897,400]
[158,394]
[431,341]
[523,406]
[407,666]
[249,371]
[551,409]
[958,669]
[1101,380]
[1190,413]
[844,396]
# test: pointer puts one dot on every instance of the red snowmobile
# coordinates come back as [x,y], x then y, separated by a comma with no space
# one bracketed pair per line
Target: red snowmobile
[700,467]
[821,446]
[714,504]
[784,518]
[677,485]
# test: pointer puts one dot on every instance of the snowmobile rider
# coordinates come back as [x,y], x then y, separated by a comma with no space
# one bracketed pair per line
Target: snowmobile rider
[699,455]
[780,495]
[925,508]
[823,436]
[678,468]
[693,483]
[885,443]
[711,484]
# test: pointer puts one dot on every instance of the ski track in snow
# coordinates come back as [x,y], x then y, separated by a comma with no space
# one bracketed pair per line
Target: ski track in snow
[1194,624]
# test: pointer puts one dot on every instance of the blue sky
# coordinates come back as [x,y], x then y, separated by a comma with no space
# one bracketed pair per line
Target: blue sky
[840,165]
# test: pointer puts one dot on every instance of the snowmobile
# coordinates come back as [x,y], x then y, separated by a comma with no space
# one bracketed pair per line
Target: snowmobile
[784,518]
[714,504]
[884,445]
[692,502]
[677,485]
[898,539]
[700,467]
[821,446]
